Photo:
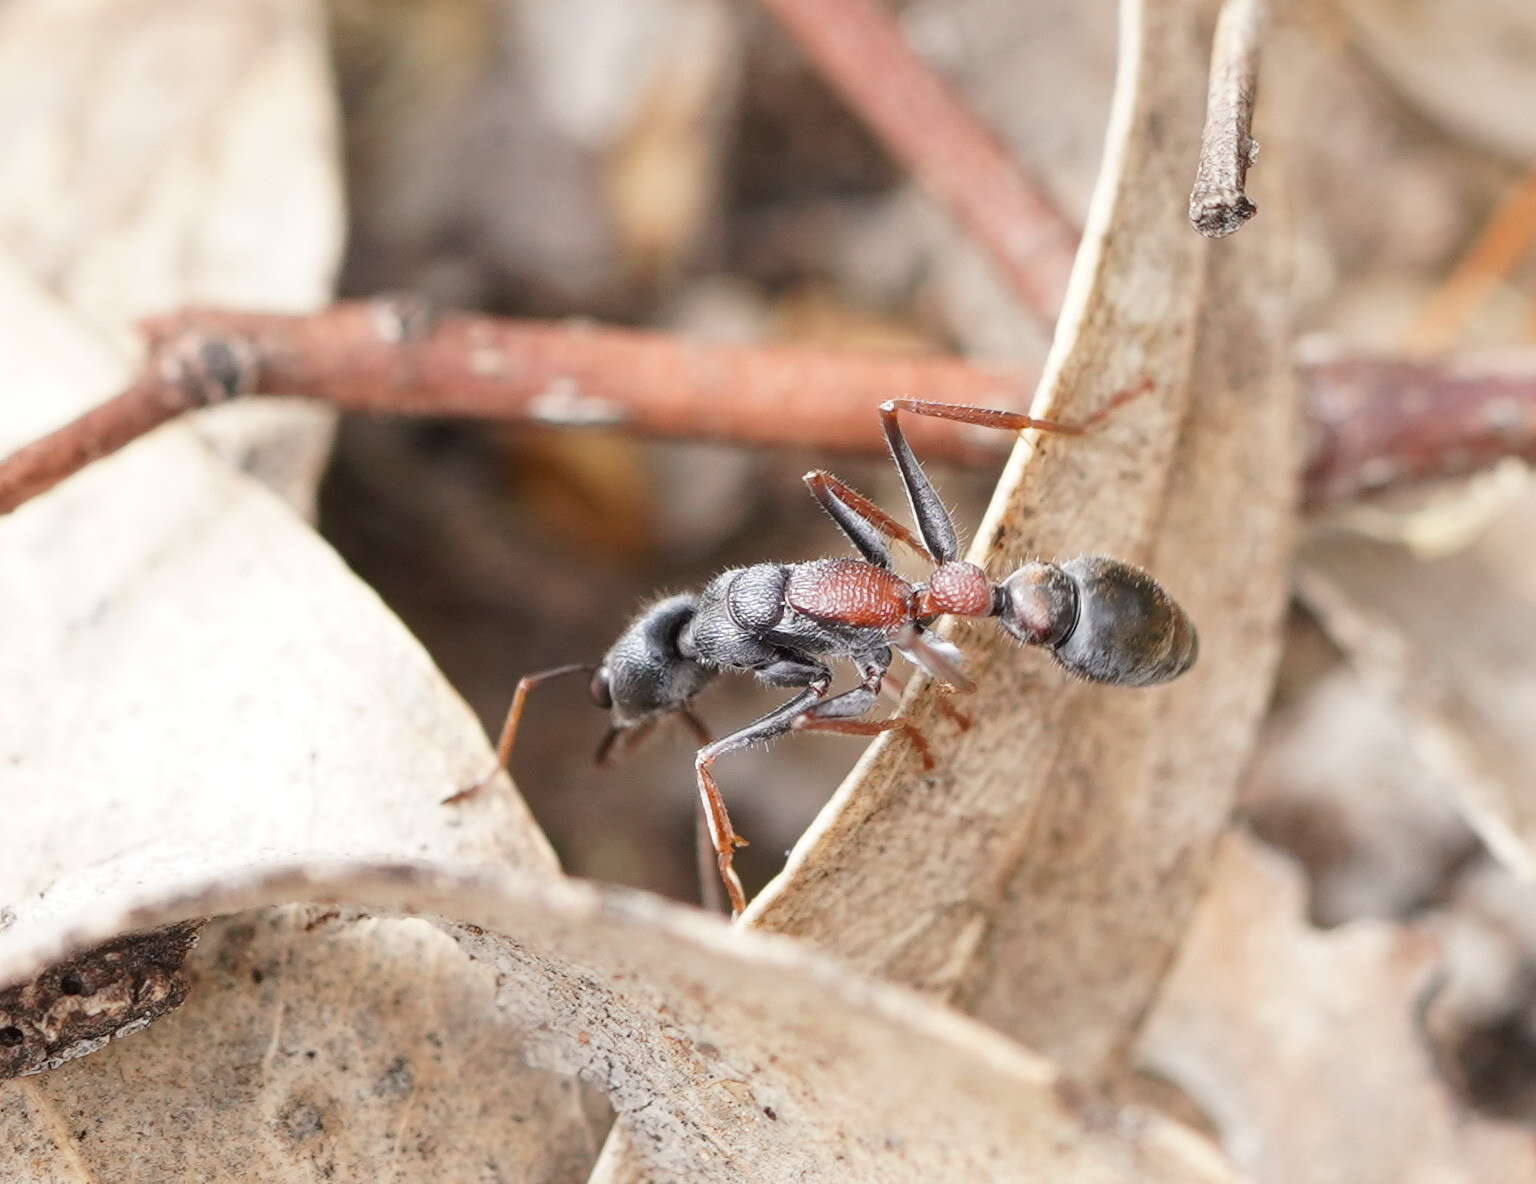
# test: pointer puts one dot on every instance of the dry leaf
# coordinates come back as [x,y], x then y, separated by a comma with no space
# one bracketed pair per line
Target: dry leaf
[728,1056]
[1449,638]
[1337,782]
[313,1045]
[203,675]
[1303,1046]
[1467,64]
[1043,872]
[192,679]
[159,154]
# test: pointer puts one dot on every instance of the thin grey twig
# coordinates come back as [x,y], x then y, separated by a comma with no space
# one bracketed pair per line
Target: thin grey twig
[1217,204]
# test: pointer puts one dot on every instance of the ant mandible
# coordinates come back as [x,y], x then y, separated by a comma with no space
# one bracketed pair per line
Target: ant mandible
[1103,620]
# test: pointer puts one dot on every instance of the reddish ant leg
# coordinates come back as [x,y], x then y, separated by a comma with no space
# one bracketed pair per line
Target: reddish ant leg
[897,687]
[711,895]
[509,728]
[870,727]
[854,513]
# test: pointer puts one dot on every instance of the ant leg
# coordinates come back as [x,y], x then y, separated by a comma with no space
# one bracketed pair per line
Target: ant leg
[934,656]
[509,728]
[696,726]
[933,519]
[866,524]
[621,741]
[1012,421]
[724,839]
[896,687]
[840,713]
[872,727]
[711,897]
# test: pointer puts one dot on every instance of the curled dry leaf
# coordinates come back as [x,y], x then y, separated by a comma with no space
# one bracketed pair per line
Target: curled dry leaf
[192,676]
[313,1045]
[1041,875]
[192,680]
[1305,1046]
[1449,638]
[728,1056]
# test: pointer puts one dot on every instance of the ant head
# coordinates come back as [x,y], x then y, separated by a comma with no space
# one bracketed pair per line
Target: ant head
[644,674]
[1104,620]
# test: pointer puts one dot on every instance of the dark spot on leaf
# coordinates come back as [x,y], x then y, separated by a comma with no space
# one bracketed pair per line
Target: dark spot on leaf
[768,1110]
[301,1121]
[256,975]
[71,984]
[397,1081]
[10,1036]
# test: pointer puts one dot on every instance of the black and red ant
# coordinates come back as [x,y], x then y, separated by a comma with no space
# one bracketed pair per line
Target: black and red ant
[1103,620]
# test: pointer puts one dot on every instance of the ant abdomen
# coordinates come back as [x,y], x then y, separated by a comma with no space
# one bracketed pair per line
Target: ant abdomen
[1105,620]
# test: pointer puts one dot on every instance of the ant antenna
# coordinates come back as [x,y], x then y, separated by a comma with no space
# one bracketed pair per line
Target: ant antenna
[514,715]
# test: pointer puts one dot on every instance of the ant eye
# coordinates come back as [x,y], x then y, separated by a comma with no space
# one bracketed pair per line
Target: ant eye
[602,693]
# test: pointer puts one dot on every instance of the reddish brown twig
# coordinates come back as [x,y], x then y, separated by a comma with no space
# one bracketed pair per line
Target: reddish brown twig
[1217,204]
[383,356]
[862,54]
[1380,422]
[1377,421]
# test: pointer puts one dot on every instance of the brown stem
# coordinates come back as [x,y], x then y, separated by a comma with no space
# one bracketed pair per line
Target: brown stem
[383,356]
[1380,422]
[1377,421]
[862,54]
[1217,204]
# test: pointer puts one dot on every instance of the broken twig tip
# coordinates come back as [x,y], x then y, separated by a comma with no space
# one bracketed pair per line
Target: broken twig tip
[1218,216]
[1217,204]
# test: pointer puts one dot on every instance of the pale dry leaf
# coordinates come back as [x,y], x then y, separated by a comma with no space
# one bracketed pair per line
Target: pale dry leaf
[313,1045]
[193,681]
[1449,638]
[159,154]
[192,676]
[1466,64]
[1304,1046]
[1041,875]
[728,1056]
[1337,782]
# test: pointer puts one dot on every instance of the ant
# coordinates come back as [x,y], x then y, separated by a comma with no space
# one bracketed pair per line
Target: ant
[1103,620]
